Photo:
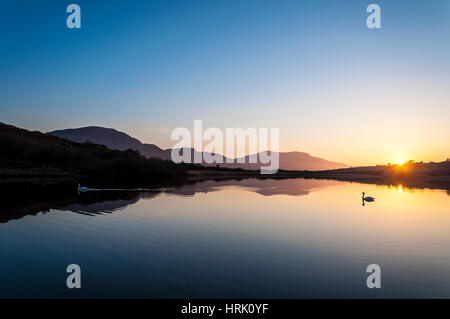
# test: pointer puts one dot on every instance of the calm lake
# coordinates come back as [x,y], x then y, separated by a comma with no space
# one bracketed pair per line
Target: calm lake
[291,238]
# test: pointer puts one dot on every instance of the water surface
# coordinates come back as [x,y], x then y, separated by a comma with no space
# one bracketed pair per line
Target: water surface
[292,238]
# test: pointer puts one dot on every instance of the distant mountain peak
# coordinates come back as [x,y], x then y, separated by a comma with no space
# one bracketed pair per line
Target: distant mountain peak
[114,139]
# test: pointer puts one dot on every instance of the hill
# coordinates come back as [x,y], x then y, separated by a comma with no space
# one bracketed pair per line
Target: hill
[26,153]
[114,139]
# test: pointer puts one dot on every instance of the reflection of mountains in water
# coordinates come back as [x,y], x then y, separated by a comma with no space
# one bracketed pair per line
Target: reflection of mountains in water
[106,207]
[21,201]
[266,187]
[26,199]
[111,205]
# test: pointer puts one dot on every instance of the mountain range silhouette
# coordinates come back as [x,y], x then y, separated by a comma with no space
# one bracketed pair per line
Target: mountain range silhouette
[117,140]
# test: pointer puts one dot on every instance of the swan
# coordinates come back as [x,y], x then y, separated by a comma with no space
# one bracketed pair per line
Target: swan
[368,198]
[82,189]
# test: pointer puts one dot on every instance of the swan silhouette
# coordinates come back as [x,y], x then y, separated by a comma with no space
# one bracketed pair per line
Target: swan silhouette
[81,189]
[368,198]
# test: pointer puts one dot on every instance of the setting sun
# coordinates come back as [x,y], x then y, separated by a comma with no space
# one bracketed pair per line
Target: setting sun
[400,162]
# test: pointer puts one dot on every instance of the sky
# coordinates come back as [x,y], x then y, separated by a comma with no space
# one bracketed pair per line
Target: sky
[335,88]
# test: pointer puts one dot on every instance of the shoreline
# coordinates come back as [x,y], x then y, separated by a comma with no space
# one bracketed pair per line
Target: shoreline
[199,175]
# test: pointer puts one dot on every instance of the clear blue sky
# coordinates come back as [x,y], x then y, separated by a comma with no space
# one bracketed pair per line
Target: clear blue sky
[311,68]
